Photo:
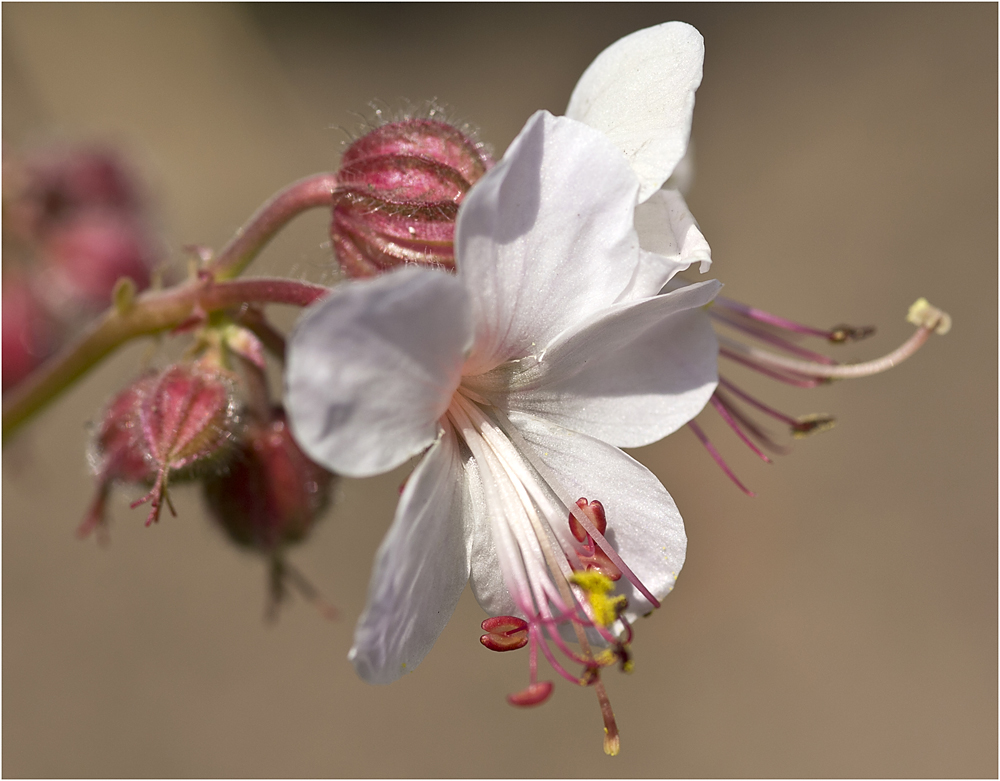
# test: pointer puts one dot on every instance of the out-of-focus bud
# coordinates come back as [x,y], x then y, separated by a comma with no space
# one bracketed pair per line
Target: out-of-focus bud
[28,332]
[268,497]
[89,254]
[73,226]
[60,184]
[270,493]
[118,451]
[399,189]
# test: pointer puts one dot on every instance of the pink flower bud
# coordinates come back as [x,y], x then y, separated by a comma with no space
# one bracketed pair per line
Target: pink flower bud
[118,451]
[270,493]
[161,428]
[28,332]
[90,253]
[188,420]
[399,189]
[60,184]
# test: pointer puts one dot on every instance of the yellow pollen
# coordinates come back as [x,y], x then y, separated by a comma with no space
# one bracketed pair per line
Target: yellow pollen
[598,586]
[606,658]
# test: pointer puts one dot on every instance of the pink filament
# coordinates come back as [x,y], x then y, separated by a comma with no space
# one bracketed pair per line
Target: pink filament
[721,408]
[766,317]
[758,404]
[777,341]
[718,457]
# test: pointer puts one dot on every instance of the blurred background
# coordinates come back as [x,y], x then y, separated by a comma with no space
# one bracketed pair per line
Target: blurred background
[842,623]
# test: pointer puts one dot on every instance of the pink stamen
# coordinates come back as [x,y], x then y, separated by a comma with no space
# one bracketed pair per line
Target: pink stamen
[552,660]
[157,495]
[758,433]
[612,554]
[776,341]
[718,457]
[776,414]
[766,317]
[720,407]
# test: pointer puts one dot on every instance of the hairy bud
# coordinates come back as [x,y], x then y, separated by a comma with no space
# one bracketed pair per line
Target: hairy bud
[399,189]
[163,428]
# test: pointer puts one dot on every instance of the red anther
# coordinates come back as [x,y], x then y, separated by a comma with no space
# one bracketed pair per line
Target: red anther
[595,514]
[505,633]
[535,694]
[593,558]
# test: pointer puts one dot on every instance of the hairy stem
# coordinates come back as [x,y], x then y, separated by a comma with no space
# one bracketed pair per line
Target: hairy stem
[308,193]
[148,314]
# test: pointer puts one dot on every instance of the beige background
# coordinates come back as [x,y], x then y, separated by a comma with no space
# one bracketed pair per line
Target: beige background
[843,623]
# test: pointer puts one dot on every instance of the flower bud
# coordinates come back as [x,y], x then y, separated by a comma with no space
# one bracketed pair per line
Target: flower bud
[28,331]
[163,428]
[118,452]
[90,253]
[399,189]
[270,493]
[58,184]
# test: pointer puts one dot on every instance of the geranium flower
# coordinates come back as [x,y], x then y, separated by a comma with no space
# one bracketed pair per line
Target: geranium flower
[521,377]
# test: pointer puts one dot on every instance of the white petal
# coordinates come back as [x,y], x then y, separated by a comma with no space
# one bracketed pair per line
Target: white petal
[485,575]
[683,174]
[644,525]
[545,238]
[373,366]
[671,242]
[640,93]
[630,377]
[666,226]
[420,569]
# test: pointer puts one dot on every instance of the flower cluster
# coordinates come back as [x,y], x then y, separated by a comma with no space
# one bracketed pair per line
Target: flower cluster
[74,224]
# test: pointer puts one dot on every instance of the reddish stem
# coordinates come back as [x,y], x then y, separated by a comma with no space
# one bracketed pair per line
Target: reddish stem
[308,193]
[150,313]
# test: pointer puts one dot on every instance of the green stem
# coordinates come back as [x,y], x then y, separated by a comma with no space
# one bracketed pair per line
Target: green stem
[150,313]
[308,193]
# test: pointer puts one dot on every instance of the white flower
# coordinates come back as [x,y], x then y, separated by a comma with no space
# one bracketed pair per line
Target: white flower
[521,377]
